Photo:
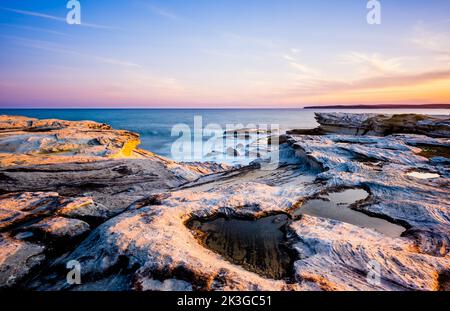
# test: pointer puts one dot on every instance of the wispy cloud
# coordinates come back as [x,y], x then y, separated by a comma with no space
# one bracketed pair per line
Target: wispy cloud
[36,14]
[373,64]
[162,12]
[288,57]
[243,39]
[220,53]
[322,87]
[114,61]
[403,79]
[433,38]
[38,29]
[56,48]
[304,72]
[55,18]
[376,74]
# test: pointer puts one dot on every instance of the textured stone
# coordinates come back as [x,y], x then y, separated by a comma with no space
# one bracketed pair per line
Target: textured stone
[60,228]
[17,259]
[144,202]
[366,124]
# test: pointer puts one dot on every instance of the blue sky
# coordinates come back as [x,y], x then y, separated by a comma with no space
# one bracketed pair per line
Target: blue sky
[217,53]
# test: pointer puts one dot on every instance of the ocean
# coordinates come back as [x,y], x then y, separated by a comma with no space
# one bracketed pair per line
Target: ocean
[155,125]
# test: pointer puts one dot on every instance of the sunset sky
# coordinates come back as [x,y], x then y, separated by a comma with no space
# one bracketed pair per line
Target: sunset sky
[223,53]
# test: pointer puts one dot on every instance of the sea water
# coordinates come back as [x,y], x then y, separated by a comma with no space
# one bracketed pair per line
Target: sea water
[155,125]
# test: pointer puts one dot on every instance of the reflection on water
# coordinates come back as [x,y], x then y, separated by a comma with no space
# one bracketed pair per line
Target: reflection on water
[257,245]
[421,175]
[336,206]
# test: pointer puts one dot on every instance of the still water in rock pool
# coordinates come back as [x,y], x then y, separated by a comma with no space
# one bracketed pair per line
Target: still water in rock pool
[261,246]
[257,245]
[336,206]
[423,175]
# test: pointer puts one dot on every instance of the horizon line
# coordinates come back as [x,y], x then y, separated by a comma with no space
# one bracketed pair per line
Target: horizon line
[300,107]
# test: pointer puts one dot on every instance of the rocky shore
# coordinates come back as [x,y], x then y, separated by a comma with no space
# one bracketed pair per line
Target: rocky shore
[136,221]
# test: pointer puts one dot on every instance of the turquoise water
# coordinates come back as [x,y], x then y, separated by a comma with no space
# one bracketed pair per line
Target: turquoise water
[155,125]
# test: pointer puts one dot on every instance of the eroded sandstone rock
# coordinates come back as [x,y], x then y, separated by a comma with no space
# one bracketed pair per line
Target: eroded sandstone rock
[60,228]
[341,257]
[17,259]
[46,141]
[144,201]
[378,124]
[18,208]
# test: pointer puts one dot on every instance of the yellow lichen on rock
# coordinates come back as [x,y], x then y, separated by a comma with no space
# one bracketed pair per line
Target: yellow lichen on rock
[127,150]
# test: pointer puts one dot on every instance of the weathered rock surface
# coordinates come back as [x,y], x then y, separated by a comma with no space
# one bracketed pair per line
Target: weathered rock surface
[112,183]
[331,255]
[155,239]
[106,165]
[57,175]
[378,124]
[17,259]
[17,209]
[60,228]
[338,256]
[137,207]
[34,140]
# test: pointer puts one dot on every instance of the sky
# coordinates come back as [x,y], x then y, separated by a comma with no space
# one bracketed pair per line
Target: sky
[223,53]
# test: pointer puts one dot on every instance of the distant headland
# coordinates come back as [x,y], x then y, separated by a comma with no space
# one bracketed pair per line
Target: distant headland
[383,106]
